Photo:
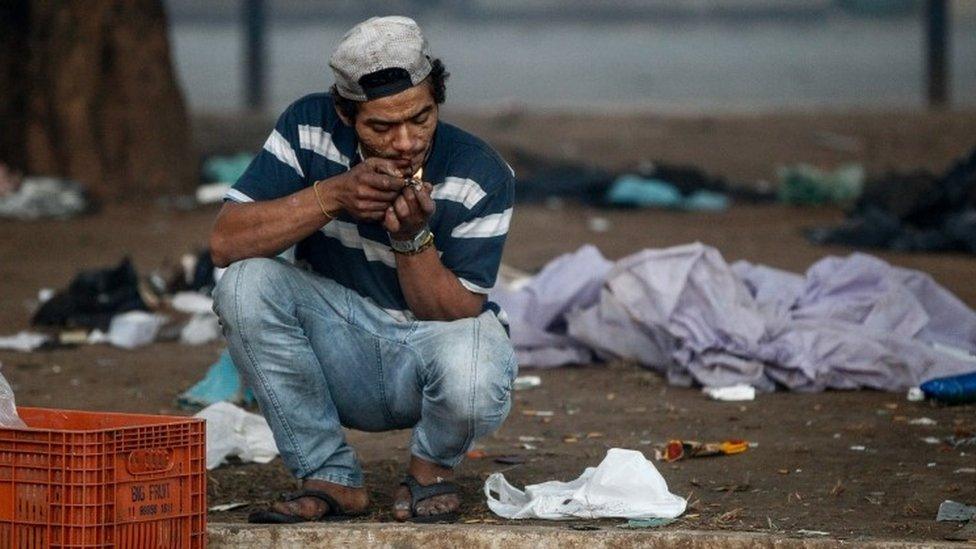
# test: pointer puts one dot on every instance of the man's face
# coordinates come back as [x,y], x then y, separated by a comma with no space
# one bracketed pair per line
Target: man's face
[399,127]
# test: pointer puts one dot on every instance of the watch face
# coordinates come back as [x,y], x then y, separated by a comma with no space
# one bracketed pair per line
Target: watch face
[410,245]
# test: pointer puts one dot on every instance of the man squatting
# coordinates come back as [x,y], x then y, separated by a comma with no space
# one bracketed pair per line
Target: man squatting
[394,222]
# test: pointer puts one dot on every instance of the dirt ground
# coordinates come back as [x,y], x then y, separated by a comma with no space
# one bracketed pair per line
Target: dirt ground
[802,475]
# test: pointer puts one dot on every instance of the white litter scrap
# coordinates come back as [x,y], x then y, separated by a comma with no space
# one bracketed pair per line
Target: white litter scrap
[134,329]
[202,328]
[624,485]
[526,382]
[925,421]
[228,506]
[24,342]
[915,394]
[233,431]
[192,303]
[733,393]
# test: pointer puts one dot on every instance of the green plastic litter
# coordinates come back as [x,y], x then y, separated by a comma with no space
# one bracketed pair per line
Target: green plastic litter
[226,169]
[805,185]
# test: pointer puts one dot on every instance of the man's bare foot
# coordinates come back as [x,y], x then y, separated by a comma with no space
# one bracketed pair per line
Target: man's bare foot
[354,501]
[426,473]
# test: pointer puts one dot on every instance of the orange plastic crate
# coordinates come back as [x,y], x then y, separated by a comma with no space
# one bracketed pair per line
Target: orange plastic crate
[91,479]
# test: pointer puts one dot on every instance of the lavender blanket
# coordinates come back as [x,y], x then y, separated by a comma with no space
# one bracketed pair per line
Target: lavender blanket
[847,323]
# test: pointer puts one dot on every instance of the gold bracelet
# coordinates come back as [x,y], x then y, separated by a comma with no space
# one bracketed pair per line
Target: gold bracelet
[315,189]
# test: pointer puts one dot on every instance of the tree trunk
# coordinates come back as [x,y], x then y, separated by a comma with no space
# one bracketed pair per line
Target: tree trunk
[99,100]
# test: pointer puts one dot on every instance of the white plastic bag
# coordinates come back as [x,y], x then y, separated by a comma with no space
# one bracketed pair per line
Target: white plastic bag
[202,328]
[624,485]
[193,303]
[8,408]
[134,329]
[233,431]
[24,342]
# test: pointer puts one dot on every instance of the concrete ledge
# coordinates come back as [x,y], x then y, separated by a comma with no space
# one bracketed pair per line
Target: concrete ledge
[478,536]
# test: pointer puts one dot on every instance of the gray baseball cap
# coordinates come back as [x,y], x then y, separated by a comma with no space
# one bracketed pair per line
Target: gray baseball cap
[380,56]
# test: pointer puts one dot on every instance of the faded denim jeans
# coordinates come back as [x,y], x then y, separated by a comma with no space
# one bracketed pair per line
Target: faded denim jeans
[319,357]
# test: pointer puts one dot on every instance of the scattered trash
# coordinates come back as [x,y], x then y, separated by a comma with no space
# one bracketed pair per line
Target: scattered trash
[222,383]
[965,471]
[952,511]
[192,302]
[925,421]
[526,382]
[202,328]
[676,450]
[225,169]
[915,394]
[636,191]
[647,523]
[733,393]
[477,453]
[134,329]
[227,506]
[530,439]
[961,440]
[625,485]
[858,448]
[232,431]
[805,185]
[598,224]
[960,389]
[912,212]
[24,341]
[511,460]
[538,413]
[932,440]
[44,197]
[211,193]
[812,533]
[8,407]
[93,298]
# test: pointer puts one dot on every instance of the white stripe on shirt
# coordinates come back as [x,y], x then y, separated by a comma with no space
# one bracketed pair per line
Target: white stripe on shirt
[457,189]
[237,196]
[281,149]
[348,235]
[319,141]
[472,287]
[484,227]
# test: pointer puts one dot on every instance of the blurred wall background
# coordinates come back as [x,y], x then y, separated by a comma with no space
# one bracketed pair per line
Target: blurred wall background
[680,55]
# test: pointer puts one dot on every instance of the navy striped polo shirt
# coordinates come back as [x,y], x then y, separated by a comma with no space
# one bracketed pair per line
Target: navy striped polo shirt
[473,192]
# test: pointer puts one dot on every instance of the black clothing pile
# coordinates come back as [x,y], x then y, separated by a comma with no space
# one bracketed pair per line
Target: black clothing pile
[912,212]
[541,179]
[93,298]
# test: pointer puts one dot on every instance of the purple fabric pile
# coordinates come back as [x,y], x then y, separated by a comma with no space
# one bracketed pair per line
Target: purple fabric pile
[848,323]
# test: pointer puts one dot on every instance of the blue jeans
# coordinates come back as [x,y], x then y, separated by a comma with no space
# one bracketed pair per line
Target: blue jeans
[319,357]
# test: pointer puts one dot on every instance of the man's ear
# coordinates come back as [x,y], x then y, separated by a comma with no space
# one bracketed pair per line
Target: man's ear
[344,119]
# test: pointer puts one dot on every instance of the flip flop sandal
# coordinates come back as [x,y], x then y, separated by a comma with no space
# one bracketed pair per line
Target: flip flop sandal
[334,513]
[419,493]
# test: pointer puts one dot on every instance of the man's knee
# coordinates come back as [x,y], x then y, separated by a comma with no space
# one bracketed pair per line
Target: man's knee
[248,285]
[475,372]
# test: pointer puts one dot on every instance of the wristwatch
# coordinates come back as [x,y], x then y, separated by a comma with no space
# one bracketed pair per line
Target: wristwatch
[415,245]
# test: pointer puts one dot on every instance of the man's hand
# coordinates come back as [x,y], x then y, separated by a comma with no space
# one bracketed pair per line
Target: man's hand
[366,191]
[409,212]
